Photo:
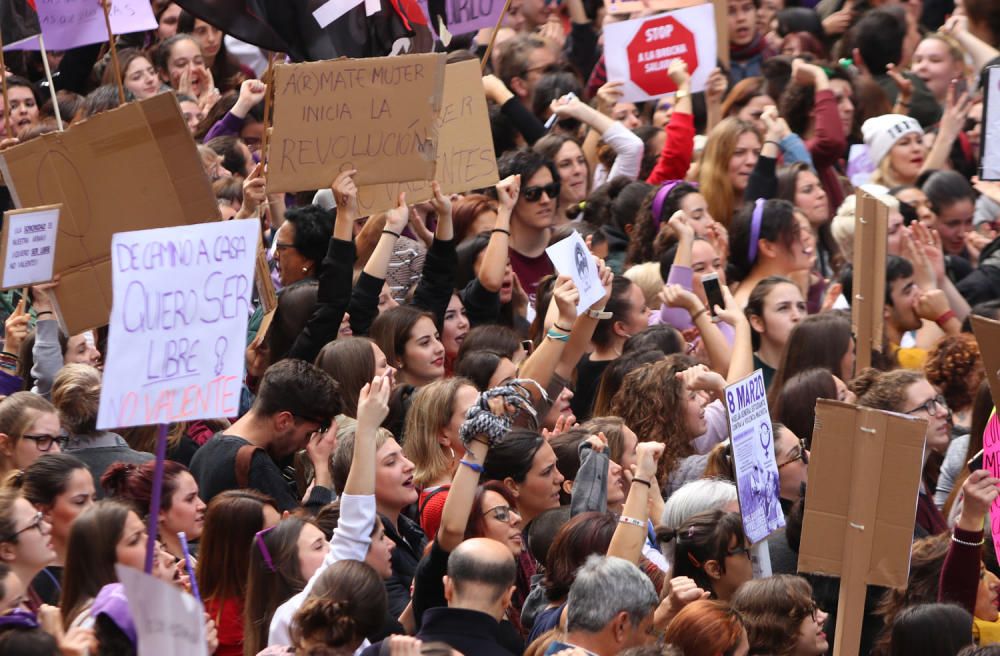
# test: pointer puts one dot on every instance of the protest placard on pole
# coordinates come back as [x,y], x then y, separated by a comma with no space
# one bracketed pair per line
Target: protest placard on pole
[989,164]
[167,620]
[375,115]
[571,257]
[871,227]
[756,470]
[28,240]
[639,52]
[182,298]
[864,474]
[70,24]
[466,159]
[129,168]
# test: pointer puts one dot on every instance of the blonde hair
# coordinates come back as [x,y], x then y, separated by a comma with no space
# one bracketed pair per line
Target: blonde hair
[430,411]
[955,49]
[713,175]
[842,225]
[647,277]
[17,413]
[76,393]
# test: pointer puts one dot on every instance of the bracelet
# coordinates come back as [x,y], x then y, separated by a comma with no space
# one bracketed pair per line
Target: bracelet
[38,314]
[632,521]
[506,232]
[968,544]
[696,315]
[565,330]
[559,337]
[945,318]
[902,104]
[599,314]
[8,354]
[472,465]
[390,232]
[772,141]
[643,482]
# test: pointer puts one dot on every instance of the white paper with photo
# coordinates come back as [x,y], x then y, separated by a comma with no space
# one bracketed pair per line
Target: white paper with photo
[30,248]
[167,621]
[752,439]
[571,257]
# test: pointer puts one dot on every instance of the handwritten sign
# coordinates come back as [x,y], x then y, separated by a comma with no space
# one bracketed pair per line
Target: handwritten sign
[756,470]
[639,52]
[989,168]
[73,23]
[376,115]
[991,463]
[167,621]
[29,245]
[181,304]
[571,257]
[466,159]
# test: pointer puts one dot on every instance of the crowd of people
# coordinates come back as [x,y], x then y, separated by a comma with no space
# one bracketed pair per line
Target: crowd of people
[439,452]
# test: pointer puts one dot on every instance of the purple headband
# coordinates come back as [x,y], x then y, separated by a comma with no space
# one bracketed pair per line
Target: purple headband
[758,214]
[259,539]
[661,197]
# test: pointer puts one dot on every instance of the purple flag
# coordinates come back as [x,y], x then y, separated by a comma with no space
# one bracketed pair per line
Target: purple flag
[73,23]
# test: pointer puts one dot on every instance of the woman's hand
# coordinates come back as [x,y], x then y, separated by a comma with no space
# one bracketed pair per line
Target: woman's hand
[904,85]
[15,329]
[373,403]
[978,493]
[731,314]
[345,191]
[254,192]
[701,378]
[566,296]
[678,297]
[397,218]
[647,460]
[508,191]
[715,87]
[608,96]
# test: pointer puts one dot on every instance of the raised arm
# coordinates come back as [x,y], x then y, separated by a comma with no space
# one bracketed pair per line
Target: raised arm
[633,526]
[541,364]
[494,264]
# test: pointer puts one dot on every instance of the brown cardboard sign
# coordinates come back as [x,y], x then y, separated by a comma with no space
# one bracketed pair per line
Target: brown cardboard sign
[870,242]
[376,115]
[629,6]
[466,160]
[130,168]
[864,475]
[987,333]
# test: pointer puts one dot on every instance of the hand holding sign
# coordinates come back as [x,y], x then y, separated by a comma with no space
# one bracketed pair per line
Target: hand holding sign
[570,257]
[566,297]
[978,494]
[254,192]
[345,193]
[15,329]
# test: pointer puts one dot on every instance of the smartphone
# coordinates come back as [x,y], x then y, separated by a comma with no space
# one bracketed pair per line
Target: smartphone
[976,462]
[713,291]
[961,86]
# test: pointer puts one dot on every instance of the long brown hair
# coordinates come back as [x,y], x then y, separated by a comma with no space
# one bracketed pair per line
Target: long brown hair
[232,520]
[773,609]
[430,412]
[351,362]
[819,340]
[714,172]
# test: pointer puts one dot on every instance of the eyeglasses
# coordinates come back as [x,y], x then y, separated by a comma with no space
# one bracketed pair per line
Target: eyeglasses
[798,453]
[501,513]
[813,611]
[534,194]
[36,522]
[739,551]
[278,245]
[932,407]
[543,69]
[44,442]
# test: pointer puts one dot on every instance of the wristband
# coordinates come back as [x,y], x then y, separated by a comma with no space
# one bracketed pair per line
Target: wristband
[772,141]
[696,315]
[556,335]
[945,318]
[632,521]
[38,314]
[965,543]
[390,232]
[599,314]
[506,232]
[643,482]
[472,465]
[565,330]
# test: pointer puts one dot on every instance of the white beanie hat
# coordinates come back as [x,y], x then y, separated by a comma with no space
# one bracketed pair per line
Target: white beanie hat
[882,132]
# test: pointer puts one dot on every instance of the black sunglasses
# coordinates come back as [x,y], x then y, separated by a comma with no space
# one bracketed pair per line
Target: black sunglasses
[534,194]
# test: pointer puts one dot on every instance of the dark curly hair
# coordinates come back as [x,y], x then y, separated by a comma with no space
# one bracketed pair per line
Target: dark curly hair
[955,367]
[644,243]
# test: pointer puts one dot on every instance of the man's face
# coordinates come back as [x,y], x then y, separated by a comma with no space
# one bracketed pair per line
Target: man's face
[540,61]
[537,214]
[742,22]
[904,293]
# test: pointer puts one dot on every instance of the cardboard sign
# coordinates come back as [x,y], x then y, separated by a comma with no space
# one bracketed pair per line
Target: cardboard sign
[28,241]
[864,474]
[572,258]
[630,6]
[73,23]
[182,298]
[640,51]
[375,115]
[167,621]
[987,333]
[756,469]
[871,228]
[130,168]
[989,165]
[466,160]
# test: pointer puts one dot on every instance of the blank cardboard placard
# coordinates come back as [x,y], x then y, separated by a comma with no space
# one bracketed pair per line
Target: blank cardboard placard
[987,333]
[28,245]
[167,620]
[864,474]
[870,241]
[130,168]
[466,160]
[375,115]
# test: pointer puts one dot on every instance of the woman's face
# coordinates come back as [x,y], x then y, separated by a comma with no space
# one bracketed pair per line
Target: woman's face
[664,110]
[187,510]
[81,349]
[784,307]
[382,367]
[753,110]
[46,428]
[800,254]
[504,372]
[933,63]
[560,408]
[293,266]
[705,260]
[23,109]
[573,173]
[616,485]
[695,208]
[78,496]
[694,411]
[847,361]
[209,38]
[393,478]
[34,545]
[906,157]
[811,638]
[185,56]
[192,114]
[380,552]
[423,355]
[739,569]
[744,158]
[895,233]
[141,78]
[792,469]
[313,547]
[456,326]
[810,197]
[131,548]
[629,455]
[636,319]
[844,393]
[539,490]
[627,113]
[507,530]
[843,93]
[987,595]
[465,398]
[938,425]
[168,22]
[974,127]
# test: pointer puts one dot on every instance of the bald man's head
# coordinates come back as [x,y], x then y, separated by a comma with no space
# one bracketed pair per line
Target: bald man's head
[486,564]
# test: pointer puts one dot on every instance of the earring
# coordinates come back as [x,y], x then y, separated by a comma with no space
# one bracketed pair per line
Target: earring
[451,453]
[305,269]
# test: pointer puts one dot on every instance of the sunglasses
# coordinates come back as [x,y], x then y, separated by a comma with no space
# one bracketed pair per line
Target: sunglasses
[45,442]
[534,194]
[501,513]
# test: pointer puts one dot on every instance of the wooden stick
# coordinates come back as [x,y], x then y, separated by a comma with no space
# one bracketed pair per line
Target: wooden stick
[269,82]
[6,103]
[114,52]
[52,85]
[493,37]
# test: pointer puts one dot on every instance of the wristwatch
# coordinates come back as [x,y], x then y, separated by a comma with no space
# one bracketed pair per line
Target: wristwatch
[599,314]
[681,93]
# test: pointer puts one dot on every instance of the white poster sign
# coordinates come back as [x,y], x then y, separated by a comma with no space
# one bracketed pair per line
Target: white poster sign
[990,165]
[29,245]
[167,620]
[572,258]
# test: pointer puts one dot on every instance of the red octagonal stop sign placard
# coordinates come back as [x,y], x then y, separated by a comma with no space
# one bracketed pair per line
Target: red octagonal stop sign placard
[657,43]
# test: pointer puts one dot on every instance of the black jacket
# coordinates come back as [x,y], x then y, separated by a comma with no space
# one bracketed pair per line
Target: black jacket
[410,542]
[468,631]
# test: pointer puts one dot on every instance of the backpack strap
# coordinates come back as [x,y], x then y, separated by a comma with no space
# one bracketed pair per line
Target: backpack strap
[243,457]
[430,495]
